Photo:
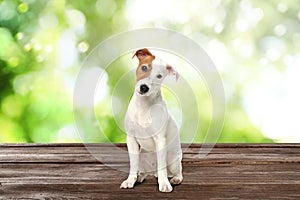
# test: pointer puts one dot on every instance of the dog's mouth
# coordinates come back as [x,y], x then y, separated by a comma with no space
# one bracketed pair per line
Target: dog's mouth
[142,93]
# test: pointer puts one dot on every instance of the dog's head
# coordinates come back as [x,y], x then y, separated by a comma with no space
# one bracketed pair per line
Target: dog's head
[151,72]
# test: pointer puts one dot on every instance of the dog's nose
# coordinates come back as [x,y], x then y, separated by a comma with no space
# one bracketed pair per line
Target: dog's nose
[144,88]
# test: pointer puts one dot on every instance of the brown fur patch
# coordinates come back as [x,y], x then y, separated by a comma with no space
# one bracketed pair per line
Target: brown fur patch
[145,58]
[141,54]
[140,74]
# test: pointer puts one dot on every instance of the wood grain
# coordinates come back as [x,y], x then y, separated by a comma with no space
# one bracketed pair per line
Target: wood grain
[95,171]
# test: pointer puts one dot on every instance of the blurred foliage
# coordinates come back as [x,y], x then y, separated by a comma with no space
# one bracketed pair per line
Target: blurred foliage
[36,93]
[43,43]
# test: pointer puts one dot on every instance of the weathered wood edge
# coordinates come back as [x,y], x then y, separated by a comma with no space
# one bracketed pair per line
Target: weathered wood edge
[184,145]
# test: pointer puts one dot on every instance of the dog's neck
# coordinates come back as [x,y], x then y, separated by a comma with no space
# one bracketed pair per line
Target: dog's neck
[148,100]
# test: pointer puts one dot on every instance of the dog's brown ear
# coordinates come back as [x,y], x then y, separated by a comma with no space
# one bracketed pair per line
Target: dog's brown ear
[141,54]
[172,72]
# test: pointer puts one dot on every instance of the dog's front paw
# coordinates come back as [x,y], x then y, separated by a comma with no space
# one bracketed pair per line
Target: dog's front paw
[165,187]
[129,182]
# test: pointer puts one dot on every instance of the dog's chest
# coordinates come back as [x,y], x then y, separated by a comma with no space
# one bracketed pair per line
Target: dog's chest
[140,117]
[147,121]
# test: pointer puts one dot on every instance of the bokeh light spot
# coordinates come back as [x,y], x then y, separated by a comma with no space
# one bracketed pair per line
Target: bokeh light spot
[280,29]
[23,7]
[12,106]
[37,47]
[27,47]
[13,61]
[219,27]
[48,48]
[83,47]
[40,58]
[281,7]
[20,36]
[76,19]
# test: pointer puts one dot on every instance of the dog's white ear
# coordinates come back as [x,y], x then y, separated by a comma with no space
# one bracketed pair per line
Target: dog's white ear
[172,71]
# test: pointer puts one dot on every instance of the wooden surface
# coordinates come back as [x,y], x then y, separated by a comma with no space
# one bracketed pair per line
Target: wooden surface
[68,171]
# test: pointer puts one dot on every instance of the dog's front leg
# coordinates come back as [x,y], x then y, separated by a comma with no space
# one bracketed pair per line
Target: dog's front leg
[133,151]
[161,149]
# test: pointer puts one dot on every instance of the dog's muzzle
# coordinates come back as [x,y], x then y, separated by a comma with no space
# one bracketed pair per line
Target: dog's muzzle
[144,89]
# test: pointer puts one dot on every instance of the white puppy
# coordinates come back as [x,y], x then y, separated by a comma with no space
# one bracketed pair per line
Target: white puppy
[152,134]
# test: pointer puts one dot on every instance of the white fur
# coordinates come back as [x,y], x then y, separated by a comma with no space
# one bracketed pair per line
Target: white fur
[152,135]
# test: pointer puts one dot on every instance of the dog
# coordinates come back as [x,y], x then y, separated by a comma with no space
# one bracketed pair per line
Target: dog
[153,140]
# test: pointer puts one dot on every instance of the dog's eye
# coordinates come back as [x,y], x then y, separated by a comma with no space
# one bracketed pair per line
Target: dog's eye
[144,68]
[159,76]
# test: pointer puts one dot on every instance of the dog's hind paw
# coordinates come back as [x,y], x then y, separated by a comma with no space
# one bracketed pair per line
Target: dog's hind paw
[176,180]
[141,177]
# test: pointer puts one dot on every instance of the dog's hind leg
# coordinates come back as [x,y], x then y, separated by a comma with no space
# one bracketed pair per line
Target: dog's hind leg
[175,171]
[141,177]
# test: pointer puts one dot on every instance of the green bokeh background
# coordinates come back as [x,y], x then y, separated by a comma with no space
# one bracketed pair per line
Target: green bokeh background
[43,44]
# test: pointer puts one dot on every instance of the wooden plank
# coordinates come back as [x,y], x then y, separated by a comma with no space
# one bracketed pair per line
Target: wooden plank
[91,173]
[107,180]
[150,191]
[79,153]
[69,171]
